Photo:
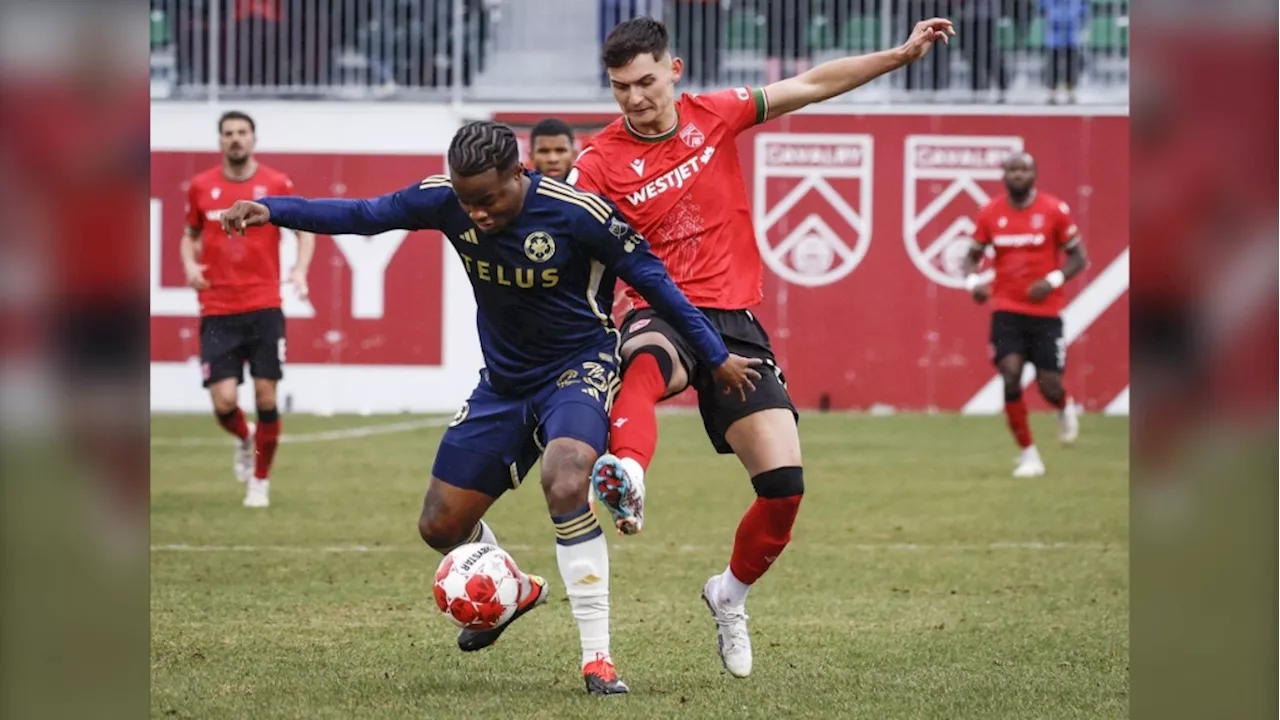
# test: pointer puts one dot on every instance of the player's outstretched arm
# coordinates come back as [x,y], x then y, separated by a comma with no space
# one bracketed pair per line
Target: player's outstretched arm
[838,77]
[413,208]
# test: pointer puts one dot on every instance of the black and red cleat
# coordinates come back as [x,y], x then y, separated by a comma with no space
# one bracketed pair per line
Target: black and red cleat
[472,640]
[602,678]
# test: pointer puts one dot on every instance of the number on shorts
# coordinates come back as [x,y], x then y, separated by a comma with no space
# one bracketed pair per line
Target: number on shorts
[1062,352]
[280,350]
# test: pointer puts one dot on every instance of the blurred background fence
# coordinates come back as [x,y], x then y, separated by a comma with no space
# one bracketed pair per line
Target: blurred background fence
[1016,51]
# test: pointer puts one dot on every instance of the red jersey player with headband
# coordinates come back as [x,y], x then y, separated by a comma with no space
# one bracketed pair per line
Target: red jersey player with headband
[1028,229]
[671,166]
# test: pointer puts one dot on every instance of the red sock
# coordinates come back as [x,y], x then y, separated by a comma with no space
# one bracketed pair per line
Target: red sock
[234,423]
[762,534]
[635,421]
[265,441]
[1016,413]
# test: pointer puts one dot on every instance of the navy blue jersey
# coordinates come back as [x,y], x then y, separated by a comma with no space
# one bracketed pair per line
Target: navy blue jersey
[544,286]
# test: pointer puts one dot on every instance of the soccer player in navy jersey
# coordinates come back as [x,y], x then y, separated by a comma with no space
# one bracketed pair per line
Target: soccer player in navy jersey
[543,258]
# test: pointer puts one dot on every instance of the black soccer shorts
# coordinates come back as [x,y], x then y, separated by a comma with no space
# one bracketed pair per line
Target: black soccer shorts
[227,342]
[1037,339]
[742,335]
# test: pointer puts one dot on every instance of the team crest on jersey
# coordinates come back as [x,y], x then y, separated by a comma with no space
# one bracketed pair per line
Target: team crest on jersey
[618,227]
[630,244]
[1037,221]
[259,192]
[539,246]
[215,193]
[692,136]
[947,180]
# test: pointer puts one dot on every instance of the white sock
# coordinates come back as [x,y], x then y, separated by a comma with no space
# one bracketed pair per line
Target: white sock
[486,535]
[584,568]
[732,591]
[1030,453]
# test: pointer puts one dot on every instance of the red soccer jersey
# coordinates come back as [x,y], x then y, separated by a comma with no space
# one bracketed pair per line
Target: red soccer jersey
[243,272]
[1027,242]
[683,190]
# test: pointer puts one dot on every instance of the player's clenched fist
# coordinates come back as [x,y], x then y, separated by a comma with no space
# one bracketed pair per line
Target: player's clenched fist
[736,373]
[245,214]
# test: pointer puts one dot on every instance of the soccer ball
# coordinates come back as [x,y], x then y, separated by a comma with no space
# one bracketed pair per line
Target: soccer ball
[477,586]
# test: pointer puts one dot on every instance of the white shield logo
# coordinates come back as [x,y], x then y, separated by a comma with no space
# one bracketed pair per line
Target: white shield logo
[801,226]
[952,176]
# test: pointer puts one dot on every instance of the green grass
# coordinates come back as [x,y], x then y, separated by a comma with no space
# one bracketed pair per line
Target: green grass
[922,582]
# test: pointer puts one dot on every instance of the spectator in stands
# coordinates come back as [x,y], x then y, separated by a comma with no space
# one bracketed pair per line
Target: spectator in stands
[698,27]
[978,35]
[1064,26]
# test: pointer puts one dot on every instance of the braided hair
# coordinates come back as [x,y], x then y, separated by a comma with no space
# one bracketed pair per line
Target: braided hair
[482,146]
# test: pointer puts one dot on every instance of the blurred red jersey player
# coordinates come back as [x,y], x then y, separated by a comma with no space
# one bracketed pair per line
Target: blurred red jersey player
[238,281]
[1028,229]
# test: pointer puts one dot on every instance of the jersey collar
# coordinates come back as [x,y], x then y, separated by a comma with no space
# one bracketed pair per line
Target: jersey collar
[653,138]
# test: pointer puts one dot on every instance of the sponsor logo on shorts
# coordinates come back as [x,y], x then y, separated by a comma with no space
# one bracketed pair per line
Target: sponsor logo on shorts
[638,325]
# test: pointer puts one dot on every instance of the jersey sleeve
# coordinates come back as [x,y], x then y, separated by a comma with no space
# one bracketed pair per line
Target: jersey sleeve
[625,251]
[1068,233]
[587,172]
[194,220]
[417,207]
[741,107]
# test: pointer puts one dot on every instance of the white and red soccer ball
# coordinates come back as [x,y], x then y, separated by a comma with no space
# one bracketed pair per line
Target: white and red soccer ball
[477,586]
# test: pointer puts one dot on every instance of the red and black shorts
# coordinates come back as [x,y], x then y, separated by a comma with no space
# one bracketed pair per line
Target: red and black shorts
[743,335]
[1035,338]
[228,342]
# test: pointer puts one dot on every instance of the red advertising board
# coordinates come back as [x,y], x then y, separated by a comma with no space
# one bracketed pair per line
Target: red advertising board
[365,309]
[861,220]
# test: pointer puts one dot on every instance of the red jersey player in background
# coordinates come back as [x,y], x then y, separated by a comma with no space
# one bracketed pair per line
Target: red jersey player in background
[1028,229]
[671,165]
[238,281]
[551,148]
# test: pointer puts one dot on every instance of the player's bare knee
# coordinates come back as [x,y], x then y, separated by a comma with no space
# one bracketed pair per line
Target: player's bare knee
[566,470]
[224,398]
[438,529]
[1050,387]
[658,346]
[264,393]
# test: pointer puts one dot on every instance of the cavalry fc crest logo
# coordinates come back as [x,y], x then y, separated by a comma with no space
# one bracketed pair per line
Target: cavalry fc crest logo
[948,178]
[808,230]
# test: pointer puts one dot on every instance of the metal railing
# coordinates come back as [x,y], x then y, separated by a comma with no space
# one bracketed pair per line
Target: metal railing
[1007,50]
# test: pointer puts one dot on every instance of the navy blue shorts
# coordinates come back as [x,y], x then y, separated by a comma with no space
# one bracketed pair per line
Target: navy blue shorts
[495,439]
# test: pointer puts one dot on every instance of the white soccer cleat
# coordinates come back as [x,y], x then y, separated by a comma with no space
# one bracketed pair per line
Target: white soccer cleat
[1029,464]
[731,630]
[1069,423]
[244,455]
[257,495]
[619,485]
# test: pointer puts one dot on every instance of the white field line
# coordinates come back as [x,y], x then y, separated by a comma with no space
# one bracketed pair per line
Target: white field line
[625,547]
[323,436]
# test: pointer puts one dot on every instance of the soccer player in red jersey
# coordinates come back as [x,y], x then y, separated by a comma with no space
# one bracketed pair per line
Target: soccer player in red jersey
[551,148]
[238,281]
[1027,230]
[671,165]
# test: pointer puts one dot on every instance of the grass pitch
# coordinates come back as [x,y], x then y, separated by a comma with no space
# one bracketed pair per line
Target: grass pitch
[922,581]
